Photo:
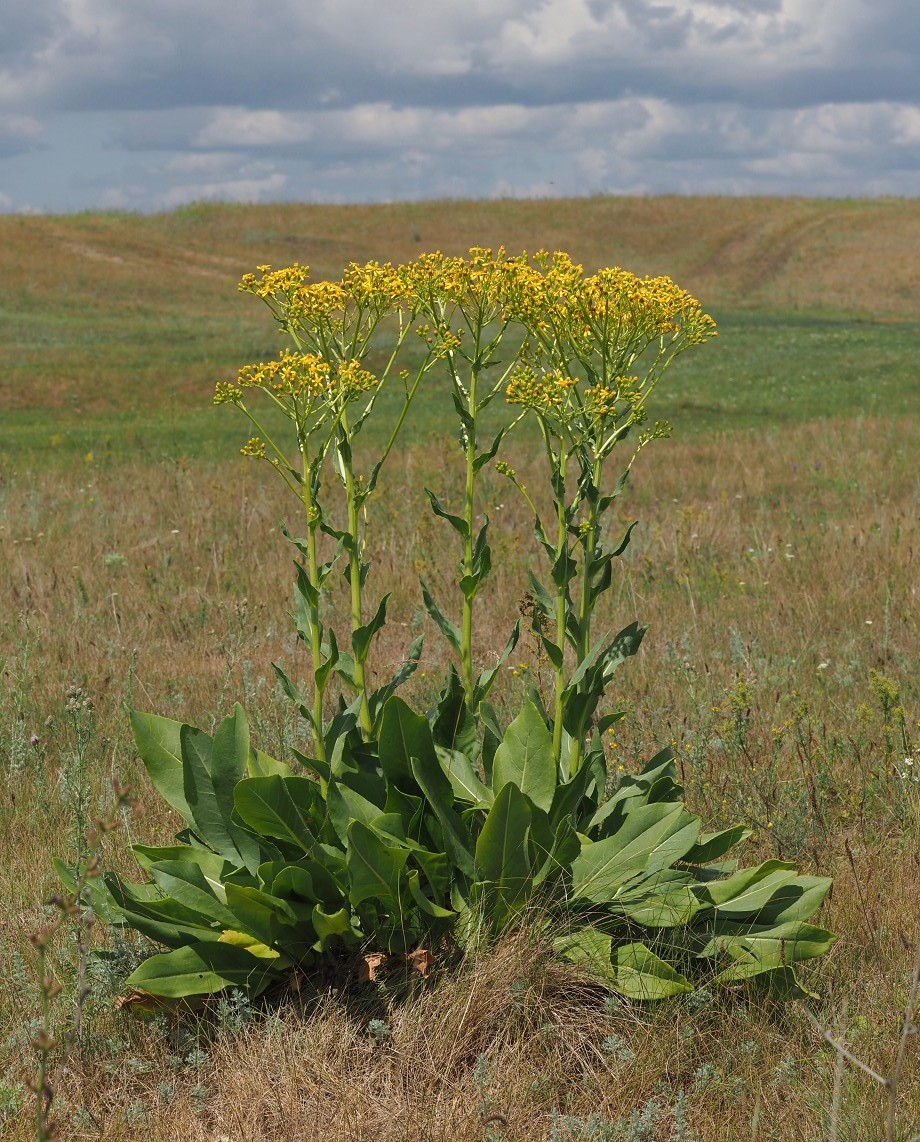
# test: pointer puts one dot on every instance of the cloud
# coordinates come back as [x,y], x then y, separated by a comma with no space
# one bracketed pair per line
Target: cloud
[18,133]
[346,99]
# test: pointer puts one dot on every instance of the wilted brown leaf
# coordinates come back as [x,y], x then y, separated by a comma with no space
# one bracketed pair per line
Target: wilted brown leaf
[370,965]
[421,959]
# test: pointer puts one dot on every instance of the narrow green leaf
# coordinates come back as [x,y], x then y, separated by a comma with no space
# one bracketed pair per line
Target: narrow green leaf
[456,522]
[361,638]
[450,630]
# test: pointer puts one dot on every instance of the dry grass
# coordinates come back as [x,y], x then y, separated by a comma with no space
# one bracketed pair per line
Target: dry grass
[167,586]
[778,570]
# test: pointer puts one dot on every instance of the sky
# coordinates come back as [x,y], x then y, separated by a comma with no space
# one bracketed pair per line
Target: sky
[153,104]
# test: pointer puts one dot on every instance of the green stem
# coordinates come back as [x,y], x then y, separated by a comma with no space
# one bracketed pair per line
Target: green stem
[589,549]
[466,629]
[561,553]
[316,648]
[354,578]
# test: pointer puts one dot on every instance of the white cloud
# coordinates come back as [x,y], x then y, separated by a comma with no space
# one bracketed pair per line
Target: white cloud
[458,97]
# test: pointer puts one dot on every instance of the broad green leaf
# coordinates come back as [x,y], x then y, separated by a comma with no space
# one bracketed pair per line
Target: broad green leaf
[159,746]
[211,864]
[711,846]
[334,928]
[663,900]
[564,849]
[748,890]
[345,805]
[252,945]
[436,787]
[426,905]
[759,948]
[261,765]
[797,900]
[640,974]
[259,913]
[211,812]
[282,807]
[650,838]
[161,918]
[375,869]
[403,735]
[463,779]
[186,883]
[525,757]
[503,851]
[587,946]
[569,796]
[200,969]
[310,879]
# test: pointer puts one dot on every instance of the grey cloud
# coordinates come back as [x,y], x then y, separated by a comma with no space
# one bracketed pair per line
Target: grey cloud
[352,99]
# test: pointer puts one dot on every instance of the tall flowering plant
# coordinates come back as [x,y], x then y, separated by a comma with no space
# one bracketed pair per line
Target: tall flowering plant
[404,831]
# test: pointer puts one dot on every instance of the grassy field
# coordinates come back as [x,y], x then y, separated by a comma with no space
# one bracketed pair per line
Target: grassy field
[776,562]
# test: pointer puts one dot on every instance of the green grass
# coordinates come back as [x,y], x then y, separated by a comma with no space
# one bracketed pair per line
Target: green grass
[762,369]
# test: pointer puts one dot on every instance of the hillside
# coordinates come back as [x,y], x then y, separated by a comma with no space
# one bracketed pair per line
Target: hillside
[136,316]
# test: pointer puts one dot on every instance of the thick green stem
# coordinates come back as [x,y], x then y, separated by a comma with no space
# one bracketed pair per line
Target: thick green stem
[316,647]
[354,578]
[561,554]
[585,603]
[466,628]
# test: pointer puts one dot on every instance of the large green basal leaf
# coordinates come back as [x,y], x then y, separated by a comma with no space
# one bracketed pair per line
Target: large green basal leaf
[285,808]
[640,974]
[186,883]
[525,757]
[651,838]
[663,900]
[210,797]
[334,928]
[436,787]
[745,892]
[464,781]
[211,864]
[345,805]
[316,880]
[403,735]
[712,846]
[587,945]
[261,914]
[503,852]
[200,969]
[375,869]
[764,948]
[158,744]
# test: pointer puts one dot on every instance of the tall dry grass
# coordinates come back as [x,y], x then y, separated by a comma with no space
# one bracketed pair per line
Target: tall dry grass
[778,573]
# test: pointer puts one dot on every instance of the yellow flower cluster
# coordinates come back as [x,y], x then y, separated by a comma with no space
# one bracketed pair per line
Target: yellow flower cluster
[291,375]
[300,376]
[542,392]
[604,401]
[274,283]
